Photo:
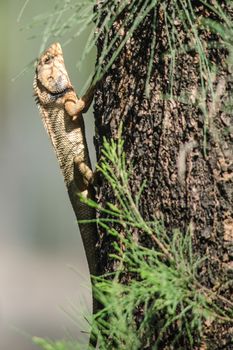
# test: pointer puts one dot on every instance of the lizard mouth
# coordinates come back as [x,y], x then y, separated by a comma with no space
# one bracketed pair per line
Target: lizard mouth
[58,94]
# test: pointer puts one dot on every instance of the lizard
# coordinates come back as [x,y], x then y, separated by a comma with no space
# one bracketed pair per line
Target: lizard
[61,111]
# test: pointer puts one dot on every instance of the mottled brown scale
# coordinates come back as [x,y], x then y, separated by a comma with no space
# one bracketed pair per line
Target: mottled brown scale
[60,110]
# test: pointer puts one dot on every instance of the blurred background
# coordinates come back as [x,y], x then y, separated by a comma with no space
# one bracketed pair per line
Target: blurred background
[44,280]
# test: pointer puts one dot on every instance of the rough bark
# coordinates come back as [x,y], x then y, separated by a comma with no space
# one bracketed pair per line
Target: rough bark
[189,184]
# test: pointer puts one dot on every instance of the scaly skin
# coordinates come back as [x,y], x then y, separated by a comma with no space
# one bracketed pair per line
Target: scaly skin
[61,112]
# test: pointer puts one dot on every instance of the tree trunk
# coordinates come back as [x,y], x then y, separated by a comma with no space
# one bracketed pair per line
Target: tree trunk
[176,139]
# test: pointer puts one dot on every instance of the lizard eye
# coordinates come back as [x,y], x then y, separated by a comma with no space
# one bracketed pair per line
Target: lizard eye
[47,59]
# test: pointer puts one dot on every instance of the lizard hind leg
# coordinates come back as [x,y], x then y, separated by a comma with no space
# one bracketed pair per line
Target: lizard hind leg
[83,175]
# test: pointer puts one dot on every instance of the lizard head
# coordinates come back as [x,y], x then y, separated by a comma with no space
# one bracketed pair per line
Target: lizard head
[51,71]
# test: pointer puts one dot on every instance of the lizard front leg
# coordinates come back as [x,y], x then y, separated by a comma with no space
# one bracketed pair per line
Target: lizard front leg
[75,106]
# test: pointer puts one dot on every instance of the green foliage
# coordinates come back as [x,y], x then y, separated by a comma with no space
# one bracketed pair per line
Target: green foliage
[46,344]
[161,281]
[73,18]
